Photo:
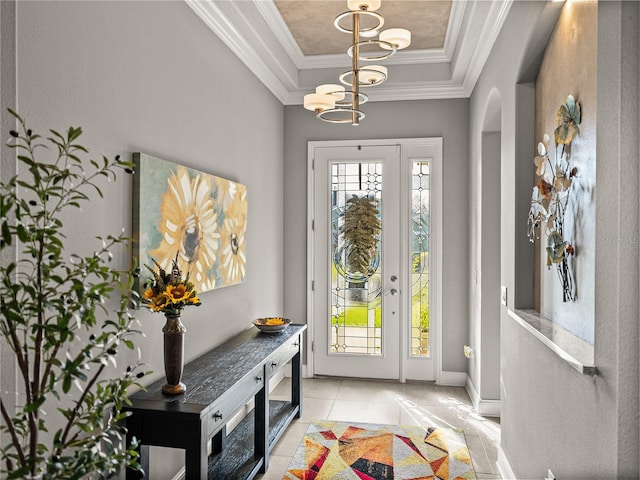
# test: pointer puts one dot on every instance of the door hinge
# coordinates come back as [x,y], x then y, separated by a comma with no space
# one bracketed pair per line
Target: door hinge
[313,285]
[313,345]
[313,225]
[313,164]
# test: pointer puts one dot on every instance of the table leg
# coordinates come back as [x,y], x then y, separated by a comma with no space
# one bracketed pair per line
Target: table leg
[261,412]
[196,458]
[296,382]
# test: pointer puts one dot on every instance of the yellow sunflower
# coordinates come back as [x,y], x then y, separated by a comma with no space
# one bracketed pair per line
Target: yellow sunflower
[189,226]
[233,235]
[177,293]
[159,302]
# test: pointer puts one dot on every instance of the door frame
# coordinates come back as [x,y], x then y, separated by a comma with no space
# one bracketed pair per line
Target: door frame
[435,245]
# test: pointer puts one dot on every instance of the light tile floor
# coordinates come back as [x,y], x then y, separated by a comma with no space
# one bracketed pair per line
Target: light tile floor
[372,401]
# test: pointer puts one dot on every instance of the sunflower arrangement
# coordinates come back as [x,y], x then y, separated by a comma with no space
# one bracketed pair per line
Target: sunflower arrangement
[169,292]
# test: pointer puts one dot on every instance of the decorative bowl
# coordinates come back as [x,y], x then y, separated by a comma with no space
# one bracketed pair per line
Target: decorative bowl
[271,324]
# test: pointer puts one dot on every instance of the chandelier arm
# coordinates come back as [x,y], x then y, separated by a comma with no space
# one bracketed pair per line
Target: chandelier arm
[380,76]
[357,13]
[391,47]
[324,115]
[362,99]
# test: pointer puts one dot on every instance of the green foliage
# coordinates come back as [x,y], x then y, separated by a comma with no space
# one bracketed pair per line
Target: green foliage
[361,231]
[57,320]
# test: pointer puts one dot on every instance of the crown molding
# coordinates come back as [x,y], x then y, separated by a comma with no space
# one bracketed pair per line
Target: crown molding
[271,15]
[400,58]
[453,29]
[495,20]
[471,34]
[228,28]
[400,92]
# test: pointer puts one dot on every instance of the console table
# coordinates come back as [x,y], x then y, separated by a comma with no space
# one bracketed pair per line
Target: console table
[219,384]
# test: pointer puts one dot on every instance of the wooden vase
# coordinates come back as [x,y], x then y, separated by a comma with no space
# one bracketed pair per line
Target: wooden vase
[173,354]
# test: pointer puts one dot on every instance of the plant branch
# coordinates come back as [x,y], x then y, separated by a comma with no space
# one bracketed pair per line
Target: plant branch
[15,441]
[16,346]
[47,370]
[76,409]
[35,389]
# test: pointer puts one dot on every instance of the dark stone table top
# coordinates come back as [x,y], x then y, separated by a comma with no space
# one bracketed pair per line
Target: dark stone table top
[209,376]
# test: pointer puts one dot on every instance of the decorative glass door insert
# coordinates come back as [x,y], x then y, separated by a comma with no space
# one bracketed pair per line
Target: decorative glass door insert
[356,272]
[420,194]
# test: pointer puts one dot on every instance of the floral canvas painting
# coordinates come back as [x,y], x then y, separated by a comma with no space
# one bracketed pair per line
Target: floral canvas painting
[199,217]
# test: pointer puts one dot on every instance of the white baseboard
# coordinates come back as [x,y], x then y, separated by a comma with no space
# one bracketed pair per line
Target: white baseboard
[504,466]
[452,379]
[486,408]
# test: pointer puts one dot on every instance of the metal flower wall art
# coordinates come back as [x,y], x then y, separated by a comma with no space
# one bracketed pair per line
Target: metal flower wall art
[553,194]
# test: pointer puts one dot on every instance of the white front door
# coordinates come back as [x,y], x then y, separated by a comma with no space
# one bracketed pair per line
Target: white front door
[372,303]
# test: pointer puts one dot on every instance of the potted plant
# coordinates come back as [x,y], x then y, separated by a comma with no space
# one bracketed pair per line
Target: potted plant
[64,315]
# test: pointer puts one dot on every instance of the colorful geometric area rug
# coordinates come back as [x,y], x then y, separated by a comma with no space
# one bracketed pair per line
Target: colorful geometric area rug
[361,451]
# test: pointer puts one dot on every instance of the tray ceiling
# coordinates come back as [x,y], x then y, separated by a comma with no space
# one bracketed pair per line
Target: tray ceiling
[292,45]
[310,23]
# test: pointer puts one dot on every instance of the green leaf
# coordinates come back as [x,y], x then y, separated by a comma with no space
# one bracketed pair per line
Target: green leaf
[22,232]
[33,406]
[6,234]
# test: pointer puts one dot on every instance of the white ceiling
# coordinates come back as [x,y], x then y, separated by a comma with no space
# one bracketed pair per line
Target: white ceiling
[257,33]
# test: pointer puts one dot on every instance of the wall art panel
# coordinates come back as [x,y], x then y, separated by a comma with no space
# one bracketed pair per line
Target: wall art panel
[196,216]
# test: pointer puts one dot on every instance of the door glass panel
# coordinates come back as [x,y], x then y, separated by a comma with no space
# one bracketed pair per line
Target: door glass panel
[420,259]
[355,266]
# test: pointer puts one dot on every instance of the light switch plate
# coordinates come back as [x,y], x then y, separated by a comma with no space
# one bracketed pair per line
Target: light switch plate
[503,295]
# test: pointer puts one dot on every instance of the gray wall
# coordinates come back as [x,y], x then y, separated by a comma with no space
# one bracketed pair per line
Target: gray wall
[151,77]
[435,118]
[7,170]
[489,387]
[569,66]
[552,416]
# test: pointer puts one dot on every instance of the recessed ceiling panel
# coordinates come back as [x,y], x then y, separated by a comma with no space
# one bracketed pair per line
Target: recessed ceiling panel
[311,23]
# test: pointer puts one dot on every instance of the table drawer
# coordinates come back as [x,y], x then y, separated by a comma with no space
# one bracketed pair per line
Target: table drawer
[283,355]
[227,406]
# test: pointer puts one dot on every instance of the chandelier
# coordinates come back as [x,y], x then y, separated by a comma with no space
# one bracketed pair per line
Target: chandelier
[337,104]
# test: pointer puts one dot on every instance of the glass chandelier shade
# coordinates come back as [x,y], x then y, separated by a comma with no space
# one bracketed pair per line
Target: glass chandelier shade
[370,5]
[318,102]
[399,37]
